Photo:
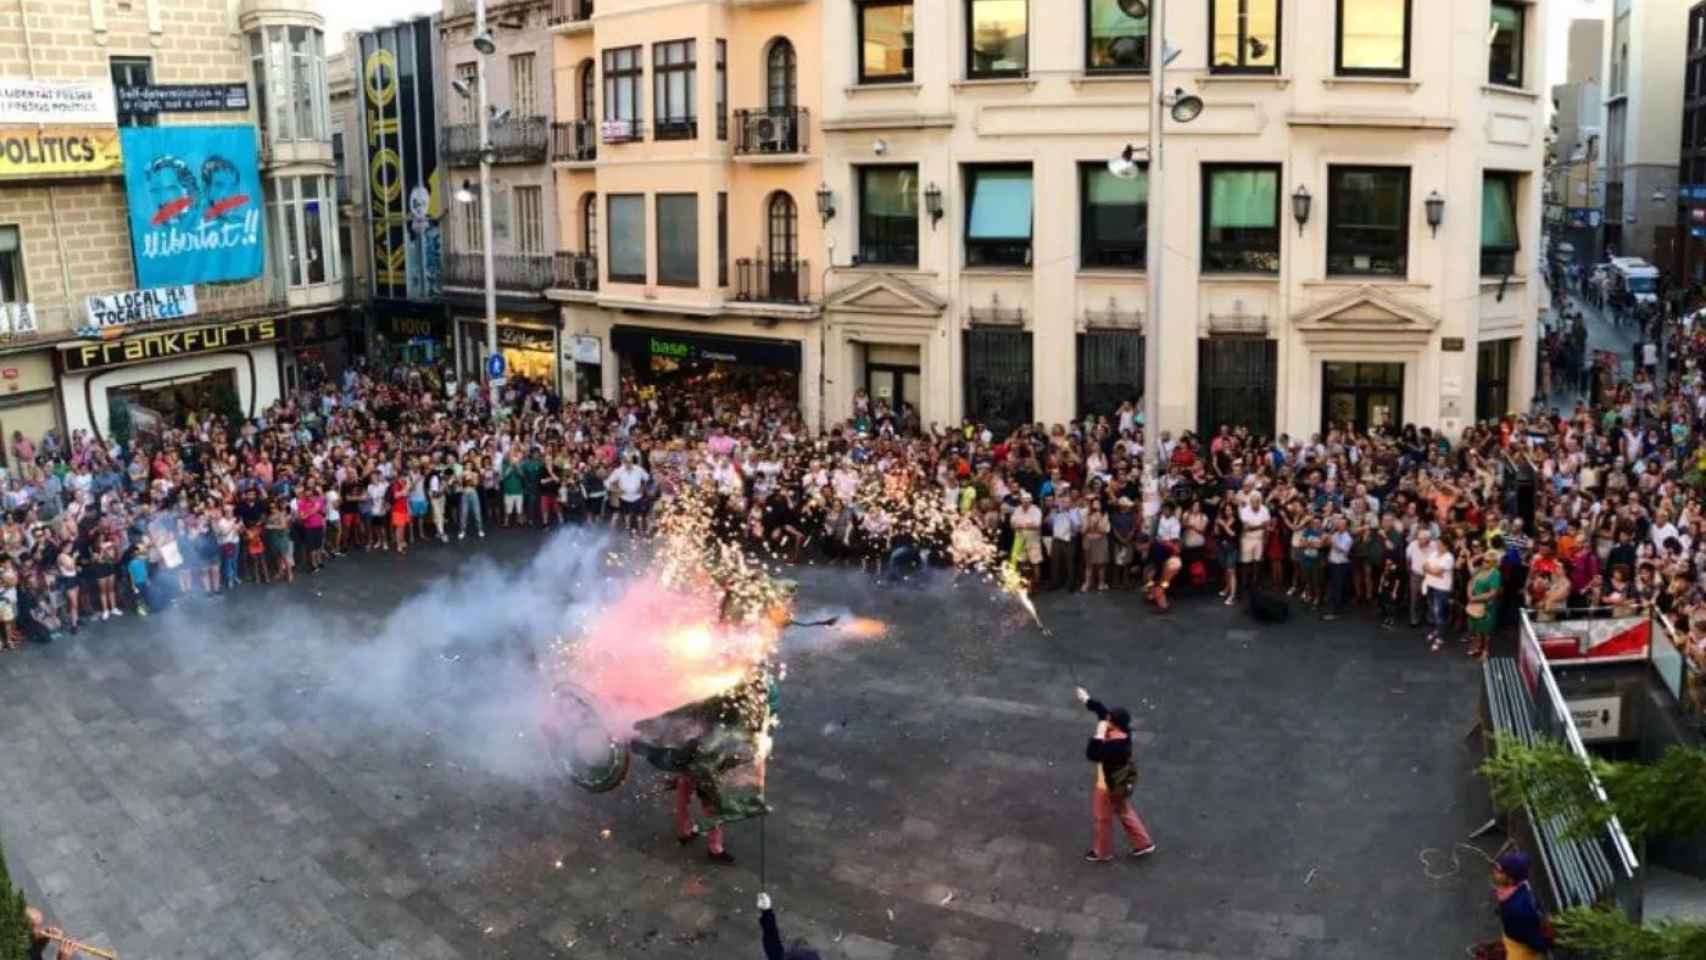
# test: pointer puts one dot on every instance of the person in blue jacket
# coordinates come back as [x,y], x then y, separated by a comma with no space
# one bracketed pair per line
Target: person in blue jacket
[1519,912]
[773,936]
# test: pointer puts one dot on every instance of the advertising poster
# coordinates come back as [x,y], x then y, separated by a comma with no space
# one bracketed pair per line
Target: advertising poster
[405,185]
[195,203]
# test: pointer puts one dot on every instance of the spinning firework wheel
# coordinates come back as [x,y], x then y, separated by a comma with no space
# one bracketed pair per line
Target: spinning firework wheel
[581,745]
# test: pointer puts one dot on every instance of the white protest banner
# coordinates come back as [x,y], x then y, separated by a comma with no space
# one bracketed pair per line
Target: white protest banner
[57,101]
[106,310]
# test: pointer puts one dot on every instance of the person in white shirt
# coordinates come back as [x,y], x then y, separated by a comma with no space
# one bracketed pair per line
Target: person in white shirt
[629,482]
[1339,543]
[1253,516]
[1027,523]
[1436,580]
[1415,555]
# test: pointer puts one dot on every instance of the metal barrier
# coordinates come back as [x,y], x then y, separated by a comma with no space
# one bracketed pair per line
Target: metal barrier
[1681,676]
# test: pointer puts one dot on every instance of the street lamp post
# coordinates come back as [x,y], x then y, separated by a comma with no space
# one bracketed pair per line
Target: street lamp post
[483,110]
[1153,247]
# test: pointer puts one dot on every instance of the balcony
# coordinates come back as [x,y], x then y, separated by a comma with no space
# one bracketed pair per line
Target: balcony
[531,272]
[574,271]
[779,132]
[569,11]
[773,281]
[622,131]
[574,142]
[675,128]
[518,140]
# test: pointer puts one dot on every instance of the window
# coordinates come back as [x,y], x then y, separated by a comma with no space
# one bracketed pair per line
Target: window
[781,75]
[1499,240]
[305,229]
[529,220]
[673,96]
[784,231]
[888,215]
[1368,220]
[1504,47]
[1244,36]
[523,92]
[469,74]
[473,238]
[588,86]
[134,72]
[997,38]
[722,239]
[289,67]
[885,41]
[1117,36]
[627,238]
[1242,209]
[722,91]
[1374,38]
[678,239]
[998,216]
[589,225]
[1113,217]
[622,72]
[12,286]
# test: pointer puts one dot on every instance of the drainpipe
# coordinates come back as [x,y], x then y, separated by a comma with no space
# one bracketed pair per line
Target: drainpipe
[52,194]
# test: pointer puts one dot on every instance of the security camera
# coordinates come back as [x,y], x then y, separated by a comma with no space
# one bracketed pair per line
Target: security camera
[881,147]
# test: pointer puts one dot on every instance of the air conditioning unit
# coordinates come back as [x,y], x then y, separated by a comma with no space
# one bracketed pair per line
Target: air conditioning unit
[616,131]
[775,134]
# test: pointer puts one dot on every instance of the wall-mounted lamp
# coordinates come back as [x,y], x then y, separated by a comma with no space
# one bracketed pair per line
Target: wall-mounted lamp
[465,193]
[933,204]
[825,203]
[463,89]
[1300,203]
[484,43]
[1435,205]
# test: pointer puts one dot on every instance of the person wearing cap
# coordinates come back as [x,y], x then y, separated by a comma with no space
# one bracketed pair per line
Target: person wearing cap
[1526,935]
[772,935]
[1110,750]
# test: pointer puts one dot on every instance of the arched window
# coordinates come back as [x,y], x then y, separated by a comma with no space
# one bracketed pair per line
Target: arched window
[784,227]
[781,73]
[589,225]
[589,84]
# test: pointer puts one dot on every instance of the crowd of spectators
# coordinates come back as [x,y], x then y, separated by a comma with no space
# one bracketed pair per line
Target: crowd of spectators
[1597,504]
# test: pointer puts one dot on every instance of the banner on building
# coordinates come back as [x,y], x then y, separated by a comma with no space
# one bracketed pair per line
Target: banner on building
[405,187]
[17,319]
[156,98]
[81,102]
[110,313]
[195,203]
[58,151]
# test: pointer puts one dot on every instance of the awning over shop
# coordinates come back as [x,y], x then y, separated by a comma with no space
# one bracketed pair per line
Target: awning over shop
[746,351]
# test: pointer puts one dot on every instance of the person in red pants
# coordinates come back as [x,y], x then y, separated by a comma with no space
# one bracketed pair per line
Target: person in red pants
[686,831]
[1116,776]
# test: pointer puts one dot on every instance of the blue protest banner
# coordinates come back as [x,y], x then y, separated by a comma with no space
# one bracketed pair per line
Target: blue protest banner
[195,203]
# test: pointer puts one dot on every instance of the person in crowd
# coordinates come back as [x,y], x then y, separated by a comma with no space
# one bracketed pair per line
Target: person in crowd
[1525,929]
[771,936]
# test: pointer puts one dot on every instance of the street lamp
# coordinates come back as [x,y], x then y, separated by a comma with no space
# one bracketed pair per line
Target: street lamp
[483,43]
[1183,108]
[1435,205]
[1300,203]
[825,203]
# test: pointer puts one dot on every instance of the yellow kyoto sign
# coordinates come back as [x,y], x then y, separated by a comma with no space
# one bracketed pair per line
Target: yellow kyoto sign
[58,151]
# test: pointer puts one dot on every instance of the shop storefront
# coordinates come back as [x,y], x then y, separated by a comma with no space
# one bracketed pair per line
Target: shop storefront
[165,375]
[28,403]
[658,357]
[586,355]
[319,350]
[408,334]
[529,348]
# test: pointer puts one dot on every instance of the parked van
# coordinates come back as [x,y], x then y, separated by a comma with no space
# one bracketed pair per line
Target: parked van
[1638,277]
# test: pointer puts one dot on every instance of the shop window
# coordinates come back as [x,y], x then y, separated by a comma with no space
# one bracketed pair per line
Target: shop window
[627,225]
[885,41]
[530,220]
[305,230]
[678,239]
[622,72]
[1242,217]
[673,93]
[1244,36]
[134,72]
[998,216]
[1504,47]
[997,38]
[1373,38]
[1499,240]
[1368,221]
[12,286]
[888,215]
[1113,217]
[523,86]
[1116,36]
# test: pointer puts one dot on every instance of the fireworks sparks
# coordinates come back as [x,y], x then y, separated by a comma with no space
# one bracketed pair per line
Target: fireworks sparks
[862,628]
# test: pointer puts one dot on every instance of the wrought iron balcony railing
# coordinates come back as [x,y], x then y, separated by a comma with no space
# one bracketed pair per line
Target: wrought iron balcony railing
[512,271]
[768,280]
[574,271]
[516,140]
[575,141]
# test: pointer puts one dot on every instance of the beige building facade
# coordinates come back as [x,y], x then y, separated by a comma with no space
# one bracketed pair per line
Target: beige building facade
[65,235]
[1351,224]
[1645,50]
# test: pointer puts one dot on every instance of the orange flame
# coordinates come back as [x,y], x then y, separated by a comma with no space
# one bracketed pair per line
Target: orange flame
[864,628]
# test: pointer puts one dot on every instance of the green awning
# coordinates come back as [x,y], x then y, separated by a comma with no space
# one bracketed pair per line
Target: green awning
[1498,213]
